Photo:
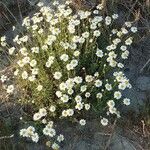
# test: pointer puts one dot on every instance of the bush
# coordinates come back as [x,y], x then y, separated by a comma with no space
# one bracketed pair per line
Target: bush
[66,63]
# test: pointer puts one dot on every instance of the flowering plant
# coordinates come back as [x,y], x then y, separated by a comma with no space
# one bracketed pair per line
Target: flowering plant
[67,62]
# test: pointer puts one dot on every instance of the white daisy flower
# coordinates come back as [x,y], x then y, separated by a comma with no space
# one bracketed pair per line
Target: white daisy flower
[104,122]
[82,122]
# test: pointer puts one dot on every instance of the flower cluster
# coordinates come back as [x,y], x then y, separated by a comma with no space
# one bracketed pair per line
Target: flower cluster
[67,63]
[30,133]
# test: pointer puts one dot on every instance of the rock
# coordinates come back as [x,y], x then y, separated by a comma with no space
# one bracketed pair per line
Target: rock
[143,83]
[137,100]
[35,147]
[9,109]
[120,143]
[33,2]
[99,143]
[17,145]
[101,139]
[131,71]
[83,145]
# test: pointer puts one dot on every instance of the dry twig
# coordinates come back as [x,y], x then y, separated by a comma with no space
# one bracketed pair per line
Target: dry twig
[7,137]
[111,135]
